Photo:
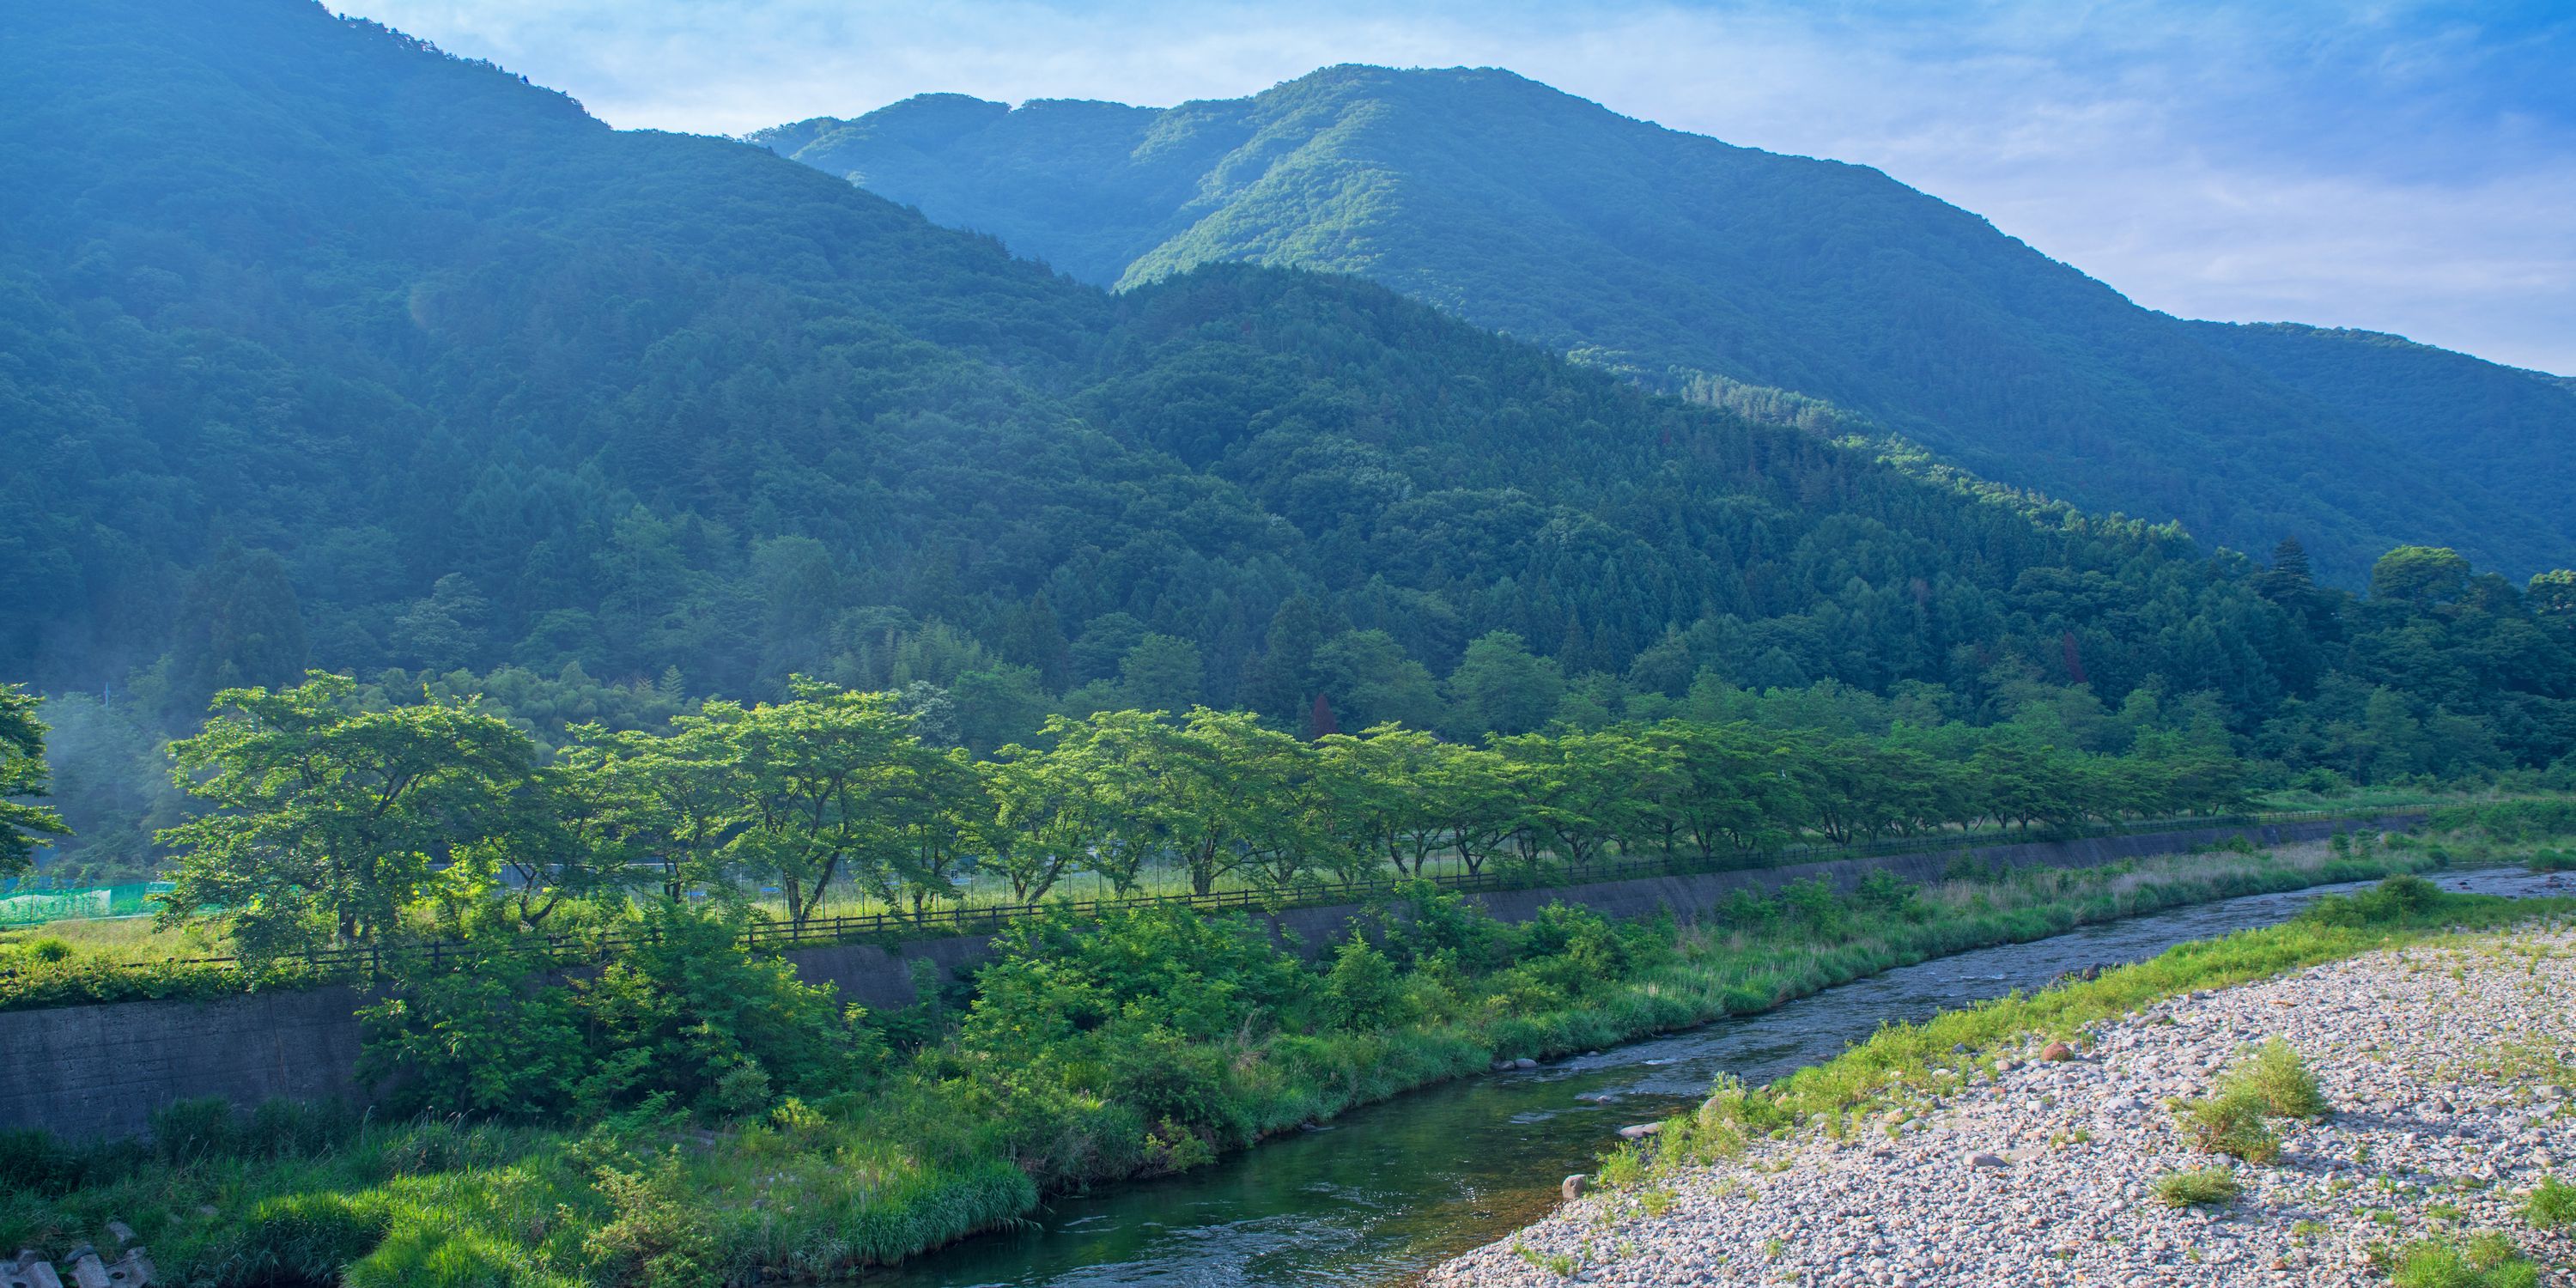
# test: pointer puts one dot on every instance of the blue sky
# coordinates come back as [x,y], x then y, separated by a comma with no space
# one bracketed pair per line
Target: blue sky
[2405,167]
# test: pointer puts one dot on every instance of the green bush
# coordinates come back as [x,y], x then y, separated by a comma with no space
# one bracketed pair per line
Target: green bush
[1362,993]
[2553,861]
[2230,1122]
[680,1009]
[2278,1078]
[2207,1185]
[2394,901]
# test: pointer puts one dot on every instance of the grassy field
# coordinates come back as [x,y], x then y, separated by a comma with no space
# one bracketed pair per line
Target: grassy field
[939,1149]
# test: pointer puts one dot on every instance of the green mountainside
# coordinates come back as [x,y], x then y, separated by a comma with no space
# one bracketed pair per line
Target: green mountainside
[2503,427]
[1672,256]
[321,348]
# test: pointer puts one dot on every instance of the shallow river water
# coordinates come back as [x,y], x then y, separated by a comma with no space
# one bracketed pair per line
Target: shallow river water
[1382,1193]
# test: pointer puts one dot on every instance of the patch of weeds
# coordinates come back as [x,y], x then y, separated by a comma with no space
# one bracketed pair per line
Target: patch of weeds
[2487,1260]
[2207,1185]
[2281,1080]
[1656,1201]
[2552,1204]
[2231,1123]
[1774,1246]
[1557,1263]
[1625,1168]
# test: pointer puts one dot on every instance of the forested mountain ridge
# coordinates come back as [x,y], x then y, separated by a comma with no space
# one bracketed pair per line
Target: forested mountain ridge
[1669,255]
[325,349]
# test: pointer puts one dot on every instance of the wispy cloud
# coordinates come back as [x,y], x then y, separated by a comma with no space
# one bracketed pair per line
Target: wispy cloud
[2404,166]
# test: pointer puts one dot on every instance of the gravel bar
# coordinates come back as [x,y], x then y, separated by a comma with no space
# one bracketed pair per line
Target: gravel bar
[2447,1064]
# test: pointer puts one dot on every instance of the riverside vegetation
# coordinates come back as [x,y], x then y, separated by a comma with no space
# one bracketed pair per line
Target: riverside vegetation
[692,1113]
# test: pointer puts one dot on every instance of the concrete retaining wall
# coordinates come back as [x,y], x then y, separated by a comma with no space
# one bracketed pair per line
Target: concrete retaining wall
[93,1071]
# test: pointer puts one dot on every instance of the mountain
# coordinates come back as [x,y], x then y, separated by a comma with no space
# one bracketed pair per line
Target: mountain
[325,348]
[1675,257]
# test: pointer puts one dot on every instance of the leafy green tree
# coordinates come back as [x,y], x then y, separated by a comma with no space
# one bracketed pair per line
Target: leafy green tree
[22,775]
[239,625]
[1110,786]
[1499,687]
[1725,790]
[1578,793]
[947,820]
[828,783]
[329,821]
[446,629]
[1162,673]
[673,801]
[1370,682]
[2553,598]
[2419,575]
[1386,787]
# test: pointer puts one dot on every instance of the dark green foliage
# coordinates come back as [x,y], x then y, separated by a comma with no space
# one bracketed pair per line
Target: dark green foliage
[2391,902]
[1716,270]
[334,349]
[680,1013]
[1362,992]
[23,775]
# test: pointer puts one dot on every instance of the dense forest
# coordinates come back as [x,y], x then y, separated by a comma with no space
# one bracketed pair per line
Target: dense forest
[326,350]
[1679,259]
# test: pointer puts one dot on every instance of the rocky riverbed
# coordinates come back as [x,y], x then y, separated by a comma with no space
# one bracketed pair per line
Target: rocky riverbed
[2449,1068]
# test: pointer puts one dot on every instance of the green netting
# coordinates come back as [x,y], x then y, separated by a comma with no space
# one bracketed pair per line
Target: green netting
[35,907]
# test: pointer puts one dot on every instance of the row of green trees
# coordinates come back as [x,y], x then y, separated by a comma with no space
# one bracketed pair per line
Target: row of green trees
[336,822]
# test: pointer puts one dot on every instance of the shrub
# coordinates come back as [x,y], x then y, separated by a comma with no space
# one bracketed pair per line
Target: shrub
[477,1032]
[2229,1122]
[653,1236]
[2392,901]
[2281,1080]
[2554,861]
[2208,1185]
[47,950]
[1362,993]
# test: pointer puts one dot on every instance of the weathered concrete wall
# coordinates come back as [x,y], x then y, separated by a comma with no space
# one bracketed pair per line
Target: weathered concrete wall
[89,1071]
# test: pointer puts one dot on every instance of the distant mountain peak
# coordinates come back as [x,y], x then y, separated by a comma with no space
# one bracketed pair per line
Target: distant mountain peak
[1532,211]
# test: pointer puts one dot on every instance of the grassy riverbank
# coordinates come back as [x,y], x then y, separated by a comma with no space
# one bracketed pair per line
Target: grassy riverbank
[1147,1044]
[1906,1063]
[2368,1094]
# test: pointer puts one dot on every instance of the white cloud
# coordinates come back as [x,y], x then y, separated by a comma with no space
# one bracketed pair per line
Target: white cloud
[2312,163]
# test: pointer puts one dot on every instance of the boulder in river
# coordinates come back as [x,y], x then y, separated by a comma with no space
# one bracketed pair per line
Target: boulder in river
[1572,1187]
[1639,1131]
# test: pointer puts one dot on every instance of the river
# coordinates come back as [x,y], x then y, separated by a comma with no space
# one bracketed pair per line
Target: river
[1384,1192]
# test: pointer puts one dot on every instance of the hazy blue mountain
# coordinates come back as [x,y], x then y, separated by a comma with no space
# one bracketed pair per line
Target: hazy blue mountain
[319,347]
[1669,255]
